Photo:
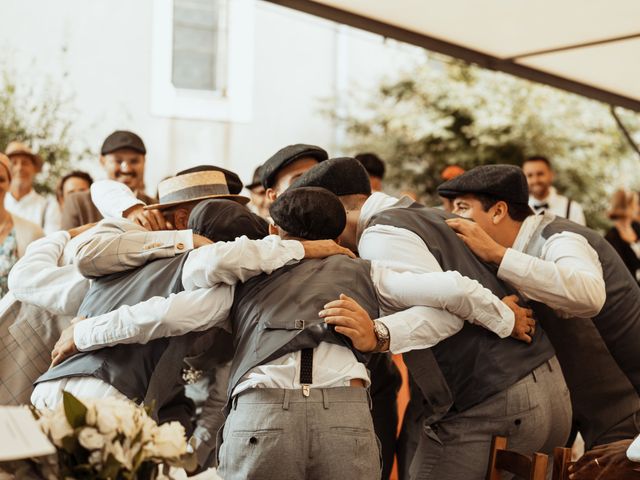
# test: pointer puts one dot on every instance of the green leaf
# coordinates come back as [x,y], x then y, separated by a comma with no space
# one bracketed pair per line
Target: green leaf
[74,410]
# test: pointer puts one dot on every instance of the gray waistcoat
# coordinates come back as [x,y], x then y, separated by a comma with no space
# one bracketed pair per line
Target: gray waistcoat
[276,314]
[600,358]
[129,368]
[473,364]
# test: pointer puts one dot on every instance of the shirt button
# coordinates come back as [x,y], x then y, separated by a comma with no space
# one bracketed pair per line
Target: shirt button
[180,246]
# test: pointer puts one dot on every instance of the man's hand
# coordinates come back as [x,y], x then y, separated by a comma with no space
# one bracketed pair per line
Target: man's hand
[351,320]
[524,326]
[324,249]
[200,241]
[477,240]
[606,462]
[65,347]
[149,219]
[74,232]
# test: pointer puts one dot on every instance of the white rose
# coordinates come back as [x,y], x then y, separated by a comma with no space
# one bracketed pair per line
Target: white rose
[95,458]
[105,420]
[126,421]
[115,448]
[91,416]
[59,428]
[168,441]
[90,438]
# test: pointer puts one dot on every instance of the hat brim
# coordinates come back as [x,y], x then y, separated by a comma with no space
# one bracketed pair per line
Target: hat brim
[161,206]
[37,159]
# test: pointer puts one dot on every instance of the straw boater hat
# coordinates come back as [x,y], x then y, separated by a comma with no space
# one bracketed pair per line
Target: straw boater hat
[194,186]
[19,148]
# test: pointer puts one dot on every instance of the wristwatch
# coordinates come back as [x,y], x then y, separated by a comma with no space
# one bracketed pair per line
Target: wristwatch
[382,335]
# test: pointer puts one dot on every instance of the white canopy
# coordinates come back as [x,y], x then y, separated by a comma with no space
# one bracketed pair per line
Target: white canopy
[590,47]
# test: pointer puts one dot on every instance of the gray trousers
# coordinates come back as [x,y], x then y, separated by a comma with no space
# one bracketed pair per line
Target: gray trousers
[534,414]
[273,433]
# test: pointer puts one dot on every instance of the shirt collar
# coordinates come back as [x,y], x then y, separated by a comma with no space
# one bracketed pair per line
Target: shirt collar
[527,230]
[553,193]
[377,202]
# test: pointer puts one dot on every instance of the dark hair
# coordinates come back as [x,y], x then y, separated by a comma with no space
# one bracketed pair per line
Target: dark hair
[538,158]
[517,211]
[372,163]
[76,173]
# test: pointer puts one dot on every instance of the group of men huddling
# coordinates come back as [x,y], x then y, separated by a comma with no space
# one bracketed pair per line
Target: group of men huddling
[284,335]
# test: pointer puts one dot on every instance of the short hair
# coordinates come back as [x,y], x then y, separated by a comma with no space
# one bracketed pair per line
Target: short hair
[517,211]
[372,163]
[538,158]
[75,173]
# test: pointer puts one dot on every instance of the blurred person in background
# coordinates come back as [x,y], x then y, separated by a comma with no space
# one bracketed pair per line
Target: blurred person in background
[375,167]
[73,182]
[449,173]
[542,194]
[22,199]
[15,232]
[624,236]
[258,195]
[123,157]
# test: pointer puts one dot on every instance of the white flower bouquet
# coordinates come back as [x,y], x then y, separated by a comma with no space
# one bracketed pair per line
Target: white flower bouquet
[108,439]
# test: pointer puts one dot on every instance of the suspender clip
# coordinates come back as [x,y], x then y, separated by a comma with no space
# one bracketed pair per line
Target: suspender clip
[305,390]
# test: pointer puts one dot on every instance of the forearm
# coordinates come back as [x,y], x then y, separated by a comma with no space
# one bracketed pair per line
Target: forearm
[155,318]
[237,261]
[562,285]
[420,327]
[450,291]
[38,280]
[110,249]
[112,198]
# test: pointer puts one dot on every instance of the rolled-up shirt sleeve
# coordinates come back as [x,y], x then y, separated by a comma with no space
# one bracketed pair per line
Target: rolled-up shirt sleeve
[567,277]
[238,261]
[157,317]
[112,198]
[450,291]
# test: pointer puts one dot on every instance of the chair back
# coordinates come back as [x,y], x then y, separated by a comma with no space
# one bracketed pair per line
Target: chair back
[561,462]
[523,466]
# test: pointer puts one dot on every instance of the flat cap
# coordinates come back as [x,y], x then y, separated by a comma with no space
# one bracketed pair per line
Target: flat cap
[256,179]
[122,139]
[341,176]
[285,156]
[372,163]
[222,220]
[504,182]
[311,213]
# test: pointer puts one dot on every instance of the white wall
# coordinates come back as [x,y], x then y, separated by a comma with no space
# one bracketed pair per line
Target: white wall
[100,52]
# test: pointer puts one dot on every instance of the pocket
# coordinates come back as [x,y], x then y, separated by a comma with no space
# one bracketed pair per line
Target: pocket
[251,453]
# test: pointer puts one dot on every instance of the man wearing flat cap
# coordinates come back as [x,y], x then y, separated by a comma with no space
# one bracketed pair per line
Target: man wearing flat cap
[22,199]
[258,195]
[375,167]
[586,300]
[287,164]
[122,157]
[465,379]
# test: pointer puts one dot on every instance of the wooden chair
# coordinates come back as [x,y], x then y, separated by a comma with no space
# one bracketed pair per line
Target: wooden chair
[523,466]
[561,462]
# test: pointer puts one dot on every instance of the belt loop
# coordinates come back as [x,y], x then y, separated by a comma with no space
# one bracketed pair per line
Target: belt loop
[369,400]
[234,402]
[325,398]
[533,374]
[549,365]
[285,402]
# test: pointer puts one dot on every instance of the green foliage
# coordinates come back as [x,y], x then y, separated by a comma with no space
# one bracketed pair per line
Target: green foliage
[39,117]
[445,112]
[74,410]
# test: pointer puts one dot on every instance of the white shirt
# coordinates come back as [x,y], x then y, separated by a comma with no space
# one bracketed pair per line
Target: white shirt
[567,277]
[558,206]
[404,251]
[633,452]
[112,198]
[37,209]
